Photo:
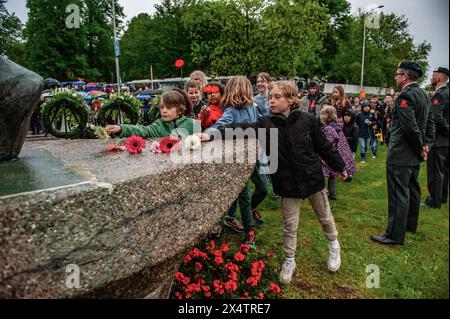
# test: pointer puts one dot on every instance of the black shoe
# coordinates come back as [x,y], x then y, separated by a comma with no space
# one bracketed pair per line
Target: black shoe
[411,230]
[332,197]
[385,240]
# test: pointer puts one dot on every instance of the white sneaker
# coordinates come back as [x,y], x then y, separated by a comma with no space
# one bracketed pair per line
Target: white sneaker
[334,256]
[363,162]
[287,270]
[374,157]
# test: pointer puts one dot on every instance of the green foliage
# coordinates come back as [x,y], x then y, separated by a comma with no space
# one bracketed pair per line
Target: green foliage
[10,32]
[221,37]
[54,50]
[157,40]
[385,48]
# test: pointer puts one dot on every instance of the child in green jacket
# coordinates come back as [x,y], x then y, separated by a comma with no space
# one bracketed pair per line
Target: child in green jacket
[173,105]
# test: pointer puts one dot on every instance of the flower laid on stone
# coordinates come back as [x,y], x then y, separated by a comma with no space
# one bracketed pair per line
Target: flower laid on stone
[170,144]
[134,144]
[156,147]
[230,271]
[192,142]
[113,147]
[98,131]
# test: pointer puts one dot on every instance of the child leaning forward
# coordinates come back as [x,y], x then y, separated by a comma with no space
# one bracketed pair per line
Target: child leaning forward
[301,145]
[173,104]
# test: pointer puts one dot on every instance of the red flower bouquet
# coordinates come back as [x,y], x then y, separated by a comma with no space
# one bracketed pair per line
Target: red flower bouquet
[231,271]
[170,144]
[134,144]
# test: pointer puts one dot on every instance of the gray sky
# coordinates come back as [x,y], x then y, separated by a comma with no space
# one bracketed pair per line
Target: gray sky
[428,19]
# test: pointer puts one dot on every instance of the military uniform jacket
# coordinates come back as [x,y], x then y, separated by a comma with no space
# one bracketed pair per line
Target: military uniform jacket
[412,127]
[441,116]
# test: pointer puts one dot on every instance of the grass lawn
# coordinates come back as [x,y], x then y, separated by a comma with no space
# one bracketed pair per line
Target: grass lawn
[419,269]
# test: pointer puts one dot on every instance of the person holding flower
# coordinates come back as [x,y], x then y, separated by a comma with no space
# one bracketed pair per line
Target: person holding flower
[173,105]
[301,148]
[211,113]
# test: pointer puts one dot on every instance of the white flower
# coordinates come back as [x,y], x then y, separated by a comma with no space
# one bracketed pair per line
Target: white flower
[192,142]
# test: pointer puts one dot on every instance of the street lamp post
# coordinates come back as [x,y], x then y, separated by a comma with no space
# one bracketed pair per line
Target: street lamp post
[364,47]
[116,48]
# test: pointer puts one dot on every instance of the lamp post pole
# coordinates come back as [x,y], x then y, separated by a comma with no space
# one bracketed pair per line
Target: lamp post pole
[364,47]
[116,49]
[363,55]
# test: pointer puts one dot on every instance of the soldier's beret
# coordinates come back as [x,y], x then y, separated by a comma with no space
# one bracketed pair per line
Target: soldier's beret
[441,70]
[411,65]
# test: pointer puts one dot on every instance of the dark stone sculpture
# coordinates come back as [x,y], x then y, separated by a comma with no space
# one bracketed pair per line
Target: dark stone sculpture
[20,90]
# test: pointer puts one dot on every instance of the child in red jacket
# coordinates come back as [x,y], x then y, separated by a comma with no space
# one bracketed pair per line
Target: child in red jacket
[210,114]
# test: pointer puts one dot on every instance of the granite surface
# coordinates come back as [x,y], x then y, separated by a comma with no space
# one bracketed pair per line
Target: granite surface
[126,226]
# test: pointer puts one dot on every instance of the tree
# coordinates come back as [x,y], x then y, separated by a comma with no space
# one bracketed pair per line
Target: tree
[98,23]
[53,49]
[385,48]
[248,36]
[157,40]
[10,31]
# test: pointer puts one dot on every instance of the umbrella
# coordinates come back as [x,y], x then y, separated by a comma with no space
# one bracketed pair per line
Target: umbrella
[79,83]
[94,94]
[50,83]
[151,92]
[91,84]
[144,97]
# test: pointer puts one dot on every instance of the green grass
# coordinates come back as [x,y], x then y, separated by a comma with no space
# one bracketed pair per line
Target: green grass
[419,269]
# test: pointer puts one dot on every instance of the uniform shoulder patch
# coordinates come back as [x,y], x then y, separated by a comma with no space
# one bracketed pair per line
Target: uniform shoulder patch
[436,102]
[404,103]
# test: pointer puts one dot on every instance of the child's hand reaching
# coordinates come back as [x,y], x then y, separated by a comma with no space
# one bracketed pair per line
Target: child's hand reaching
[203,137]
[344,175]
[205,112]
[113,129]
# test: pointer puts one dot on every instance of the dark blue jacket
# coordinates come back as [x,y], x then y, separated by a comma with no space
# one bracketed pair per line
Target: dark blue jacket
[363,120]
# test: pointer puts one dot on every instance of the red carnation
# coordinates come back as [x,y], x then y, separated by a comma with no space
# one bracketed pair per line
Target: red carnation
[261,295]
[245,248]
[170,144]
[134,144]
[239,257]
[114,148]
[274,288]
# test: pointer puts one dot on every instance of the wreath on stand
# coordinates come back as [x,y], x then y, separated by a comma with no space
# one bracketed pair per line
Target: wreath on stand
[121,108]
[65,115]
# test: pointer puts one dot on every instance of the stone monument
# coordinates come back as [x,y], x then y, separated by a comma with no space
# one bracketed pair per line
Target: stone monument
[19,94]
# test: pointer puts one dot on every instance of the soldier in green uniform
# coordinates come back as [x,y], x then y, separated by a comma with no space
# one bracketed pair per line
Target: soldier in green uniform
[439,151]
[411,135]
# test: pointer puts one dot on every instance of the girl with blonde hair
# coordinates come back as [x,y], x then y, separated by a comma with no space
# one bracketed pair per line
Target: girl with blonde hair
[239,109]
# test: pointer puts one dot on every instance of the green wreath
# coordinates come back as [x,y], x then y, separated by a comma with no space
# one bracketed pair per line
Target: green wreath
[65,110]
[122,103]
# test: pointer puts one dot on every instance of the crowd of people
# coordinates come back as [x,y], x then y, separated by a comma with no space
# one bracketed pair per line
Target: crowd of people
[318,139]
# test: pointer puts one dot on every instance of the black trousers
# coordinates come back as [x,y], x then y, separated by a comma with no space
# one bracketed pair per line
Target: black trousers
[435,175]
[446,184]
[404,200]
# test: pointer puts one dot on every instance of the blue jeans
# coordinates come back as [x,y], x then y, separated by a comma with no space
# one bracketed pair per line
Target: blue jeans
[374,146]
[364,143]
